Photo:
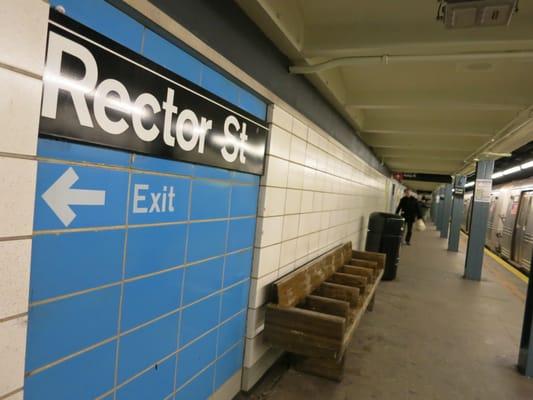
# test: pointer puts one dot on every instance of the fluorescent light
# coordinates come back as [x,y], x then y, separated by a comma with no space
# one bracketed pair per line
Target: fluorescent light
[470,184]
[511,170]
[529,164]
[497,175]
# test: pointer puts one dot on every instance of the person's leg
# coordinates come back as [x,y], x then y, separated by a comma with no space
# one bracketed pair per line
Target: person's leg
[409,231]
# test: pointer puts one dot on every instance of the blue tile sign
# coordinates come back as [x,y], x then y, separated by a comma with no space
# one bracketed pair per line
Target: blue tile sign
[98,91]
[132,268]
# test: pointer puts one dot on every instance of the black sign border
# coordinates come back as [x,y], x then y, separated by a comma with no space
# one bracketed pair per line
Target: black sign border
[62,21]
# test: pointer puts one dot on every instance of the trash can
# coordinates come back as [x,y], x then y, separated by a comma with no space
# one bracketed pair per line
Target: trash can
[385,232]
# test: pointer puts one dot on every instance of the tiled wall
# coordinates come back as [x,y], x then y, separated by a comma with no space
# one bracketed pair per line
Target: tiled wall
[315,194]
[21,67]
[111,22]
[127,302]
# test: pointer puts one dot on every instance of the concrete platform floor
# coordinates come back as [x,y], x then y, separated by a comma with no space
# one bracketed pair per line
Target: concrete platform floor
[432,335]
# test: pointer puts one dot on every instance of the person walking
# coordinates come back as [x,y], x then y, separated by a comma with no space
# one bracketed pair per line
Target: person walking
[410,211]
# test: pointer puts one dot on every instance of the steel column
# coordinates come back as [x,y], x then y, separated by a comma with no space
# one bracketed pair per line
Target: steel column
[440,210]
[525,356]
[478,224]
[446,210]
[457,212]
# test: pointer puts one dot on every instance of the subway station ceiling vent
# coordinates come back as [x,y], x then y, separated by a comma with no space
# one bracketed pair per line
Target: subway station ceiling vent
[476,13]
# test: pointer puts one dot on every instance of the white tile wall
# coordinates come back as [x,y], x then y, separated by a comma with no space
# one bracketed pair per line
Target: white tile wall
[23,34]
[23,26]
[15,277]
[12,353]
[315,194]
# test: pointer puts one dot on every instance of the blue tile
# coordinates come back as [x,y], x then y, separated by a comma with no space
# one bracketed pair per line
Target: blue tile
[206,239]
[200,388]
[238,267]
[154,248]
[65,326]
[156,199]
[241,234]
[245,178]
[85,376]
[143,347]
[62,150]
[244,200]
[161,165]
[70,262]
[71,179]
[252,104]
[231,332]
[221,86]
[157,383]
[171,57]
[105,19]
[203,171]
[228,365]
[196,357]
[202,279]
[199,318]
[234,300]
[209,199]
[148,298]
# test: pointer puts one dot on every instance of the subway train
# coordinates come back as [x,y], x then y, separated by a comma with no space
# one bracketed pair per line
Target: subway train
[510,224]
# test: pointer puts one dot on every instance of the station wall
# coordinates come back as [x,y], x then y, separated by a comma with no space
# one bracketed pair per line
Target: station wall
[315,193]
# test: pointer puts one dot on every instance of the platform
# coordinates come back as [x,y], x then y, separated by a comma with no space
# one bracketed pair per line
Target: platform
[433,335]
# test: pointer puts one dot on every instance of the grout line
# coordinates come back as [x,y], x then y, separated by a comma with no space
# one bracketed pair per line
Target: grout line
[12,238]
[122,284]
[21,71]
[6,395]
[11,317]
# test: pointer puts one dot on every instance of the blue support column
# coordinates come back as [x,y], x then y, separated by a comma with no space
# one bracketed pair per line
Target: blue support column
[457,212]
[478,224]
[446,210]
[440,210]
[525,356]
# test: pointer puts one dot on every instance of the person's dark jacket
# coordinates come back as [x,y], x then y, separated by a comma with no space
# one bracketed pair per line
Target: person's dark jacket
[409,208]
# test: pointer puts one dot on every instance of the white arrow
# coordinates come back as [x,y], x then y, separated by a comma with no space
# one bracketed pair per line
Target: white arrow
[60,196]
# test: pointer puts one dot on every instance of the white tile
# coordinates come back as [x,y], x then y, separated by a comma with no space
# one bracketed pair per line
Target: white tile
[290,226]
[23,26]
[299,129]
[288,252]
[314,137]
[318,201]
[302,246]
[297,150]
[279,142]
[268,231]
[255,321]
[15,272]
[17,181]
[275,172]
[281,118]
[271,201]
[293,201]
[255,348]
[20,106]
[307,201]
[314,242]
[12,353]
[311,156]
[295,179]
[266,260]
[260,290]
[309,179]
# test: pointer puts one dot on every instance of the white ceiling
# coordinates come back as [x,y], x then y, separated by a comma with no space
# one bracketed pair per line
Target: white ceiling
[429,116]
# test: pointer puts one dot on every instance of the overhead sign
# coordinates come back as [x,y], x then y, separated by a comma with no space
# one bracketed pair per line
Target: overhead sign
[99,92]
[416,176]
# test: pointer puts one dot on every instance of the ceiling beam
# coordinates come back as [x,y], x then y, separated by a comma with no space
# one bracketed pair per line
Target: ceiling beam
[438,105]
[427,132]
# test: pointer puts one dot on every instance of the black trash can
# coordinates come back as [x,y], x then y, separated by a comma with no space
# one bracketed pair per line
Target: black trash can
[385,232]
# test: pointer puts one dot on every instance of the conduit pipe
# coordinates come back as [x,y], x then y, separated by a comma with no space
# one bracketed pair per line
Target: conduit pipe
[397,59]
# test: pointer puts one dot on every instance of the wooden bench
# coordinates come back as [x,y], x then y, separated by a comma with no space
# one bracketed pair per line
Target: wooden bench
[318,306]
